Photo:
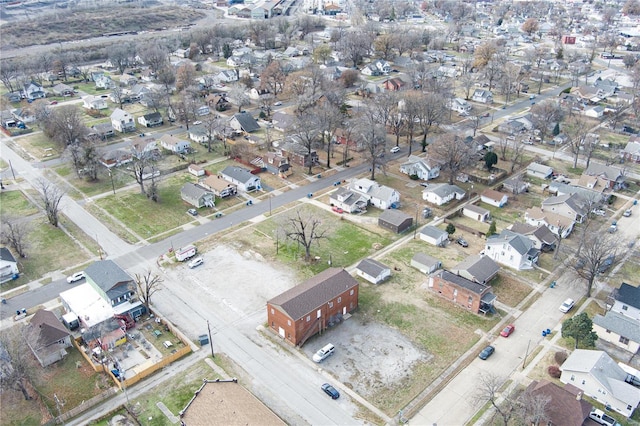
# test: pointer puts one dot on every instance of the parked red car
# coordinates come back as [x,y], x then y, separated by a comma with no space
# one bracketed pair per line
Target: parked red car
[337,209]
[506,332]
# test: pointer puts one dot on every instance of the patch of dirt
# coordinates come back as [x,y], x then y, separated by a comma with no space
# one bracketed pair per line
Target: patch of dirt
[369,358]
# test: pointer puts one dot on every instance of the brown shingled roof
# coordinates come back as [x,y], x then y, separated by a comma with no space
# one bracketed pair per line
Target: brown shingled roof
[306,297]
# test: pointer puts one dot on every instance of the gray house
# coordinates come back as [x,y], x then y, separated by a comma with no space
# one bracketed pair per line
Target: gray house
[47,337]
[395,221]
[115,286]
[434,235]
[242,178]
[151,119]
[539,170]
[245,122]
[122,121]
[197,196]
[373,271]
[477,268]
[425,263]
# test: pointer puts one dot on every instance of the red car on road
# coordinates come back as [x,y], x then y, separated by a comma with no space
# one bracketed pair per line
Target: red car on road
[506,332]
[337,209]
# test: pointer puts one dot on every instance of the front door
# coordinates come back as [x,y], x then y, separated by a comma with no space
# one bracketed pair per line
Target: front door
[344,310]
[281,331]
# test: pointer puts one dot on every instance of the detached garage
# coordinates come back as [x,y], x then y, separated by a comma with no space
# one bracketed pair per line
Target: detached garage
[395,221]
[373,271]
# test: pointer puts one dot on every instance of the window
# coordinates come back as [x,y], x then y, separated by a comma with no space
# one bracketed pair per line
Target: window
[318,313]
[572,378]
[470,299]
[624,340]
[308,318]
[339,299]
[289,323]
[273,311]
[584,382]
[511,257]
[351,292]
[330,304]
[608,331]
[629,408]
[625,307]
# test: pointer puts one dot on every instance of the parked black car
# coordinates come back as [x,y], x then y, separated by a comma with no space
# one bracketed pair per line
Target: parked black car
[487,352]
[462,242]
[331,391]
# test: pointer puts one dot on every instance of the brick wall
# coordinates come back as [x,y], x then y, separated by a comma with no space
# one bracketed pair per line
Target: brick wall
[447,290]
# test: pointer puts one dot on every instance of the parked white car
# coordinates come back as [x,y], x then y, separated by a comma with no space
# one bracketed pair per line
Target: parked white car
[75,277]
[195,262]
[567,305]
[323,353]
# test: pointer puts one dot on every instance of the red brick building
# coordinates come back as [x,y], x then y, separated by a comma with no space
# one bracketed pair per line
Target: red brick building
[308,308]
[470,295]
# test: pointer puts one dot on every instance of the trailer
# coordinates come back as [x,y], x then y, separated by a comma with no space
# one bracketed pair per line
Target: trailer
[186,252]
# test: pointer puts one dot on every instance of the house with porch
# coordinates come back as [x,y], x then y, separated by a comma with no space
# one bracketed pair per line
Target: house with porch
[543,238]
[482,96]
[245,122]
[601,378]
[309,308]
[47,337]
[219,186]
[33,91]
[442,193]
[62,89]
[115,286]
[151,120]
[569,206]
[8,266]
[298,154]
[558,224]
[122,121]
[242,178]
[197,196]
[174,145]
[512,249]
[349,201]
[565,405]
[613,176]
[423,168]
[380,196]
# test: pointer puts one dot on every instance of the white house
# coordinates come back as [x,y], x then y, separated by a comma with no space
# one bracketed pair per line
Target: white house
[227,76]
[494,198]
[173,144]
[442,193]
[619,330]
[122,121]
[196,170]
[594,111]
[33,91]
[8,265]
[104,82]
[243,178]
[568,205]
[626,301]
[459,105]
[539,170]
[380,196]
[348,200]
[94,102]
[423,168]
[482,96]
[631,151]
[373,271]
[558,224]
[598,376]
[434,236]
[511,249]
[476,213]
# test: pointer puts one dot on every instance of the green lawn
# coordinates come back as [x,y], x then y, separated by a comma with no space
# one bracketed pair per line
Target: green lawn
[14,203]
[145,217]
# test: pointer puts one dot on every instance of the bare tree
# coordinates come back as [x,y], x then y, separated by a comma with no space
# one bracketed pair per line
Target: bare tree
[147,285]
[154,56]
[369,134]
[15,375]
[431,111]
[489,391]
[142,161]
[517,151]
[544,115]
[452,153]
[51,196]
[213,126]
[533,408]
[503,148]
[305,131]
[597,251]
[304,229]
[329,119]
[576,130]
[65,125]
[239,97]
[119,96]
[273,78]
[13,232]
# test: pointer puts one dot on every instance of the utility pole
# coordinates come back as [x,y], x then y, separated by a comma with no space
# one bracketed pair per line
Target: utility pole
[210,340]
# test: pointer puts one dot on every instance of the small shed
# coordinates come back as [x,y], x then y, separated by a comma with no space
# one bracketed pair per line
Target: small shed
[395,221]
[539,170]
[373,271]
[494,198]
[425,263]
[476,213]
[196,170]
[434,235]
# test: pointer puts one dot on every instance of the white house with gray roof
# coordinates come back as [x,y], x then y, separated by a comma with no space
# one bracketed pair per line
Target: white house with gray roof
[242,178]
[598,376]
[380,196]
[442,193]
[569,206]
[512,249]
[625,300]
[433,235]
[348,200]
[115,286]
[197,196]
[539,170]
[373,271]
[423,168]
[618,330]
[122,121]
[244,121]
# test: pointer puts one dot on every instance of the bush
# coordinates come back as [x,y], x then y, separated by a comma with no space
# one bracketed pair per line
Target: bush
[611,200]
[554,371]
[560,357]
[413,177]
[451,229]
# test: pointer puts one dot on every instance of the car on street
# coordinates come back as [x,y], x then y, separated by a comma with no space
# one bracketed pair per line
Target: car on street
[395,149]
[567,305]
[613,229]
[75,277]
[506,332]
[337,209]
[462,242]
[627,213]
[325,352]
[193,212]
[486,352]
[195,262]
[197,122]
[331,391]
[277,103]
[53,103]
[606,264]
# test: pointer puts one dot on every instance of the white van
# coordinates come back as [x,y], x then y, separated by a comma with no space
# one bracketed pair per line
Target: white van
[324,353]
